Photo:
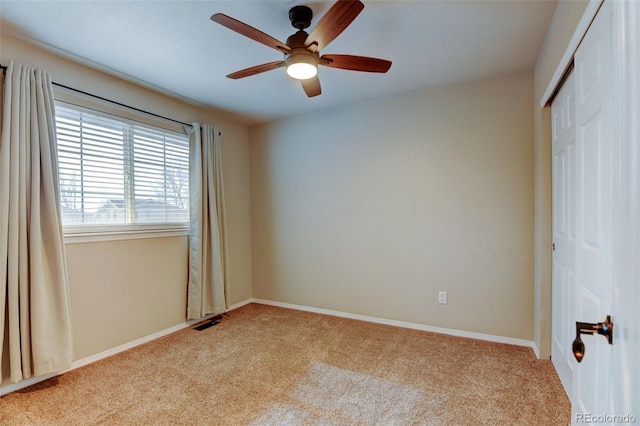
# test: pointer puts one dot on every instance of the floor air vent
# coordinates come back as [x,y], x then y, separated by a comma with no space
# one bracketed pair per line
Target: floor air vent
[208,323]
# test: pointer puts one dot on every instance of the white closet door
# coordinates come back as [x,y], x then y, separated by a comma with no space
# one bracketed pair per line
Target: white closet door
[563,114]
[594,92]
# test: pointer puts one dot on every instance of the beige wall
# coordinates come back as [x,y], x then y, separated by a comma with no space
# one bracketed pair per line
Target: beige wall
[563,25]
[125,290]
[373,208]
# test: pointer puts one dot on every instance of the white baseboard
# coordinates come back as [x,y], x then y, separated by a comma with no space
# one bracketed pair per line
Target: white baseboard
[404,324]
[239,304]
[536,350]
[6,389]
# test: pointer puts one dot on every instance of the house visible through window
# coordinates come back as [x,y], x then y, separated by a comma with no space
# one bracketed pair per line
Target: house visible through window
[115,171]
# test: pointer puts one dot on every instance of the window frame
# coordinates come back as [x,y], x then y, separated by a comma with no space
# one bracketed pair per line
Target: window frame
[80,233]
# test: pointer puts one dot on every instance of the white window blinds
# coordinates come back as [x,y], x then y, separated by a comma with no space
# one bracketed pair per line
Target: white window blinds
[114,171]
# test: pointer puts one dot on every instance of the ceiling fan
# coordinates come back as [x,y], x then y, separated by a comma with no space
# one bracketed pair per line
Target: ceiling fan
[302,50]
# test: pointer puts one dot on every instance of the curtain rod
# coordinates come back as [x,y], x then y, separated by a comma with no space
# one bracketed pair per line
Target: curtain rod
[120,104]
[4,71]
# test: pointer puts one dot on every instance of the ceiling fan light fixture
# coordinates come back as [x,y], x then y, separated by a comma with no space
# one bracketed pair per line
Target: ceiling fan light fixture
[302,71]
[302,66]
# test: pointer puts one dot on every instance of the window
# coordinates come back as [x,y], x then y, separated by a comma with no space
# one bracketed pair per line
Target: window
[119,174]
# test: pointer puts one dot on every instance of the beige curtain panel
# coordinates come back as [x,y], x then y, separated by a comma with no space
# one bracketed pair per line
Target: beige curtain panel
[35,326]
[207,288]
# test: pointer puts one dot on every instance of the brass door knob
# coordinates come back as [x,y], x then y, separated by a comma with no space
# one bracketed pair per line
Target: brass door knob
[604,328]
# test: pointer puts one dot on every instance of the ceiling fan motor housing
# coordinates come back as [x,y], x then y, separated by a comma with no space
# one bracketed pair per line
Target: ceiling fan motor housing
[297,40]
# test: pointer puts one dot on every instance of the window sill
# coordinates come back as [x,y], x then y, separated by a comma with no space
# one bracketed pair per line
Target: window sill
[97,234]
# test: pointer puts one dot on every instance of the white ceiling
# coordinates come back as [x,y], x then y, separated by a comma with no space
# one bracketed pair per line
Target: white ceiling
[173,45]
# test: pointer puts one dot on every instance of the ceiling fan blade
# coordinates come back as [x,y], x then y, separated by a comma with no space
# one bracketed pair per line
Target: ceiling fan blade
[249,31]
[336,20]
[257,69]
[311,86]
[355,63]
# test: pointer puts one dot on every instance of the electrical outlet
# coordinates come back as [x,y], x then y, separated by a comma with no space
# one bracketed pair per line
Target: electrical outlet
[442,297]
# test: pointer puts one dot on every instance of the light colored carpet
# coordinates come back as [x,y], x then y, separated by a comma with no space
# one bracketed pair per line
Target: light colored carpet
[264,365]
